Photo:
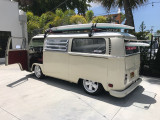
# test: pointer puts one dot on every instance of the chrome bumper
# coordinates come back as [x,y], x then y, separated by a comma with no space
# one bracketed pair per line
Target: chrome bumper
[125,92]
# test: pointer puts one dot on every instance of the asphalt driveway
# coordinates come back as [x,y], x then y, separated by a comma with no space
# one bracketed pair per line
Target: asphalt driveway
[23,97]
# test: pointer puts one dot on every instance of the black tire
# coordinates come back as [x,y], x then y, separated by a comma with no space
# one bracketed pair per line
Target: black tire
[38,72]
[92,88]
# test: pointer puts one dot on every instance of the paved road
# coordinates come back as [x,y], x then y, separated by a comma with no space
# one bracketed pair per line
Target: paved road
[23,97]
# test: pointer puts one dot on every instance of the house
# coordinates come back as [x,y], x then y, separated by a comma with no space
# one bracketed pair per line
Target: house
[13,22]
[117,18]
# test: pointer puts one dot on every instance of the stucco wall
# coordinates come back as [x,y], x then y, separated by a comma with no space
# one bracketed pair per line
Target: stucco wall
[9,19]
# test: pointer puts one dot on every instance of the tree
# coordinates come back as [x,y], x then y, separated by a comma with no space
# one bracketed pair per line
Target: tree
[32,25]
[142,27]
[158,31]
[89,16]
[67,15]
[39,7]
[32,22]
[45,18]
[99,19]
[142,34]
[32,17]
[128,5]
[77,19]
[57,21]
[48,19]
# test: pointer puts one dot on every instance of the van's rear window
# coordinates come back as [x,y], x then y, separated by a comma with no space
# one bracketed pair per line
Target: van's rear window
[89,45]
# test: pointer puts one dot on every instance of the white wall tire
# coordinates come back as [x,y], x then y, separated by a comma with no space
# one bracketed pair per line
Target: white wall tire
[91,87]
[38,72]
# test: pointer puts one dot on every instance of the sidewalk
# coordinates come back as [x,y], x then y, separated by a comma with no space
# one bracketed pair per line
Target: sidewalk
[23,97]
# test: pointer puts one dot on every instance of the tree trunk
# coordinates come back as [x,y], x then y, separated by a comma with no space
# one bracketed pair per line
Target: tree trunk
[128,13]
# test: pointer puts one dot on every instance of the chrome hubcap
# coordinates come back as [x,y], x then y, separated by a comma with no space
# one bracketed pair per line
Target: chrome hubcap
[37,71]
[90,86]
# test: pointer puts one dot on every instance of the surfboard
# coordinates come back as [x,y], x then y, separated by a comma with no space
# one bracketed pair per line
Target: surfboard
[89,26]
[137,44]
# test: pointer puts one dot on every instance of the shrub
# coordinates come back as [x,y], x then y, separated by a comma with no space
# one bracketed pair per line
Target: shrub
[32,25]
[89,15]
[32,17]
[59,13]
[45,18]
[99,19]
[57,21]
[48,25]
[77,19]
[67,15]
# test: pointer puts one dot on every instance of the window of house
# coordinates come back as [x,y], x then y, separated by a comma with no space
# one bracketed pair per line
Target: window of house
[89,45]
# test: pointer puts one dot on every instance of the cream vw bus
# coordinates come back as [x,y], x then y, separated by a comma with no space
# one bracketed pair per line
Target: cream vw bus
[97,60]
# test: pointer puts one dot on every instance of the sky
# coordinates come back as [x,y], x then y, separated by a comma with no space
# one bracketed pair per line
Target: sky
[147,13]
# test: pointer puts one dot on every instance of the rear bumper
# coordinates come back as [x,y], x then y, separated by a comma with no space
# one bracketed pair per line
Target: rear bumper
[125,92]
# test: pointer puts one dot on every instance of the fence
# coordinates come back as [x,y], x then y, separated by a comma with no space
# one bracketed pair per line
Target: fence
[150,57]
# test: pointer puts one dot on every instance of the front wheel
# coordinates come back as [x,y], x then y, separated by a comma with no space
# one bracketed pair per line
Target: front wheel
[38,72]
[91,87]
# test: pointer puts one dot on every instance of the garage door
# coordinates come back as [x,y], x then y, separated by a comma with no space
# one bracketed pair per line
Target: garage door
[3,42]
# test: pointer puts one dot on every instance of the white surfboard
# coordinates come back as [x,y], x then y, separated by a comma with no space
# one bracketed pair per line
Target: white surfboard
[89,26]
[137,44]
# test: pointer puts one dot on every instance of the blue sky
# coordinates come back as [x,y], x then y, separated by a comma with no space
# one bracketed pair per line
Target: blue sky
[147,13]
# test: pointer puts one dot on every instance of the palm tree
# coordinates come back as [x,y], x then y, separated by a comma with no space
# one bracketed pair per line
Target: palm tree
[128,5]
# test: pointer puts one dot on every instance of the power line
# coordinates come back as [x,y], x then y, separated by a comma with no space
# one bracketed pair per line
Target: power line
[59,5]
[109,12]
[150,3]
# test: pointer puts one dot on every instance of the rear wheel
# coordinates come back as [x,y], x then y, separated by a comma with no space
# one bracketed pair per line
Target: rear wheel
[91,87]
[38,72]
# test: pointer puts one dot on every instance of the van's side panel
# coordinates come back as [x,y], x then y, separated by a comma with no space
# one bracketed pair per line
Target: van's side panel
[116,64]
[85,67]
[56,64]
[117,46]
[116,73]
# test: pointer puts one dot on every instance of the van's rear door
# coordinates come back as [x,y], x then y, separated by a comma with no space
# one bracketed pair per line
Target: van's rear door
[17,52]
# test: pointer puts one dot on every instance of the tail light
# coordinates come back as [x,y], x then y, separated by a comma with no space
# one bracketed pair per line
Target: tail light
[110,85]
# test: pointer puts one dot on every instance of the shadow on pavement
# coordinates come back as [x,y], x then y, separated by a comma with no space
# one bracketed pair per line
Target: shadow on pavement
[154,81]
[136,96]
[18,82]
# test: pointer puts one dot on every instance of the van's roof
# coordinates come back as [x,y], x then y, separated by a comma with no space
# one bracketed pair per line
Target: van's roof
[39,36]
[97,34]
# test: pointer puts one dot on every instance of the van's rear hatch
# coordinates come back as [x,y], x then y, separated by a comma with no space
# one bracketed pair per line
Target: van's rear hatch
[132,62]
[132,68]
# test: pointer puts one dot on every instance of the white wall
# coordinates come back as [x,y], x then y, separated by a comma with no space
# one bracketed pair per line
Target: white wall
[9,19]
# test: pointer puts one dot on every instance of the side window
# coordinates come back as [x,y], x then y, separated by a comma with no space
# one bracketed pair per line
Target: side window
[89,45]
[56,45]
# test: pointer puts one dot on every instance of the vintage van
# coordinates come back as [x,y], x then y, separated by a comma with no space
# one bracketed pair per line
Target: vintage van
[98,60]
